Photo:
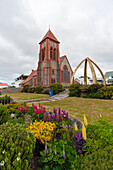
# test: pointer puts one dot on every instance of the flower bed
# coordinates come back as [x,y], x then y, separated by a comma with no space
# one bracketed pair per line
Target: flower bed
[59,142]
[5,99]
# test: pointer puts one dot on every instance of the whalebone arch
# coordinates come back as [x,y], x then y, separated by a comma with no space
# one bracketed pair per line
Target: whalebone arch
[88,60]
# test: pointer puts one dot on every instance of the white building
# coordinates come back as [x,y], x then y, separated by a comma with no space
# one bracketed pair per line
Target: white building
[109,77]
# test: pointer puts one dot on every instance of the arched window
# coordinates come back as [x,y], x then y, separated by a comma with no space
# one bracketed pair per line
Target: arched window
[51,53]
[52,81]
[54,54]
[61,76]
[65,74]
[43,54]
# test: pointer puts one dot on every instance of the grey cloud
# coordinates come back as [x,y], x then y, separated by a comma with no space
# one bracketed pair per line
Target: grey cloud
[84,29]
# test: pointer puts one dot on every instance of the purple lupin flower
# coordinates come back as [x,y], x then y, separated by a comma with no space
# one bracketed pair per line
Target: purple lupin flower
[57,116]
[64,152]
[66,115]
[44,117]
[69,126]
[54,117]
[61,116]
[56,113]
[59,110]
[64,112]
[49,117]
[54,110]
[46,151]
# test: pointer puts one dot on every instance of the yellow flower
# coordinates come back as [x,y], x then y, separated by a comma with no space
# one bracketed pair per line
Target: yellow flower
[44,131]
[85,120]
[84,132]
[76,128]
[100,115]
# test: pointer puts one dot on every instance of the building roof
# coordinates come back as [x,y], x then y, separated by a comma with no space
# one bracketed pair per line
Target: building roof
[75,81]
[33,73]
[3,84]
[110,73]
[49,35]
[61,60]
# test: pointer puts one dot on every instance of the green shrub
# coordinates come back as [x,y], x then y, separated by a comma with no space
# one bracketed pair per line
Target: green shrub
[106,92]
[74,90]
[4,115]
[12,108]
[93,95]
[31,90]
[57,88]
[38,89]
[45,90]
[16,146]
[85,96]
[99,135]
[102,159]
[26,88]
[94,88]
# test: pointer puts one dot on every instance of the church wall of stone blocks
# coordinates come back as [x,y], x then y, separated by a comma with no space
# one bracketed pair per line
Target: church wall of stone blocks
[51,67]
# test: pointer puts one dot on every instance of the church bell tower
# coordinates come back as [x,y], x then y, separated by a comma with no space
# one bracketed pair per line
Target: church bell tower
[49,71]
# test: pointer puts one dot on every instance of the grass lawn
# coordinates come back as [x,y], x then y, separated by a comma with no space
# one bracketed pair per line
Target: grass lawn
[26,96]
[77,107]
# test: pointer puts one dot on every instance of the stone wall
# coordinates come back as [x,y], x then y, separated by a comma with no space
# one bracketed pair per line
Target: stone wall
[11,90]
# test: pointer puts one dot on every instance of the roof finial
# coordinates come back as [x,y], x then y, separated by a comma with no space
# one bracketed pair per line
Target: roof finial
[49,27]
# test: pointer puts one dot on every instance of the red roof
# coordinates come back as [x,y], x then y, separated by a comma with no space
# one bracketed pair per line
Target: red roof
[50,35]
[75,81]
[33,73]
[1,84]
[62,58]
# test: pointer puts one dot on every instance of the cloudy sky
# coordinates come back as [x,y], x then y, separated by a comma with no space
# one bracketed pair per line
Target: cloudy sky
[83,27]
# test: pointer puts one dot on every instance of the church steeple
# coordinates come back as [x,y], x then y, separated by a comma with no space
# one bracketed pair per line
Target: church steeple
[48,71]
[49,35]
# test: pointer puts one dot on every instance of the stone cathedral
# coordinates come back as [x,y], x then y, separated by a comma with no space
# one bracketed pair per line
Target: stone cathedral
[51,67]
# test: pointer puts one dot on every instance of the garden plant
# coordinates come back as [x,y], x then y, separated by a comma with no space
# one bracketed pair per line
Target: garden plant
[54,140]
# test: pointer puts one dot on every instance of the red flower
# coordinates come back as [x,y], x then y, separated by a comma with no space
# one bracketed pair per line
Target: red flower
[35,111]
[41,111]
[25,105]
[44,109]
[26,110]
[39,105]
[35,107]
[23,109]
[18,108]
[38,111]
[22,114]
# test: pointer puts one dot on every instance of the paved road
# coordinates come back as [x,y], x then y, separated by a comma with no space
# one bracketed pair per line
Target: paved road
[59,96]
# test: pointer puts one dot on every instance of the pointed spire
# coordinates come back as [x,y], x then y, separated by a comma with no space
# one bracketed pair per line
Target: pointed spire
[49,35]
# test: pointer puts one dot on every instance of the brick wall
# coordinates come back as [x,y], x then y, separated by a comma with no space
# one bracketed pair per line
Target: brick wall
[11,90]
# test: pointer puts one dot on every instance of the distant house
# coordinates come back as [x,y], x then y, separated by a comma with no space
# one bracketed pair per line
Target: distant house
[76,81]
[16,83]
[109,77]
[3,85]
